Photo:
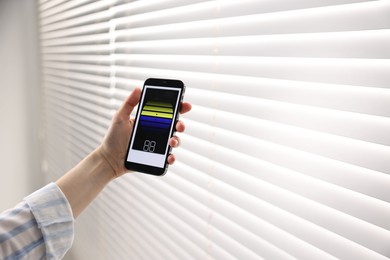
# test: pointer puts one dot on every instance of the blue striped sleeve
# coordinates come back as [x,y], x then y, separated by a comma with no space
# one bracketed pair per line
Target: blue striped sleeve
[40,227]
[20,237]
[54,218]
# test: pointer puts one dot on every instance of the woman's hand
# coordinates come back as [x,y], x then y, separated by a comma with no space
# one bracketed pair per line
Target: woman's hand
[115,143]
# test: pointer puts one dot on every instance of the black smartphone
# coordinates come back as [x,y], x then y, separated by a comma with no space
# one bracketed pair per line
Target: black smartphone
[155,122]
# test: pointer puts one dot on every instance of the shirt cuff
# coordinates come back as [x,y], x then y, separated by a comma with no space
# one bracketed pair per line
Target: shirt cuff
[54,216]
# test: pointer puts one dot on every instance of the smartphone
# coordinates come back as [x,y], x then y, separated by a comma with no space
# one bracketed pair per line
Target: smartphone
[155,122]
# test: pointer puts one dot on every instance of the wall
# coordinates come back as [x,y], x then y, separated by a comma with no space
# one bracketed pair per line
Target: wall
[19,99]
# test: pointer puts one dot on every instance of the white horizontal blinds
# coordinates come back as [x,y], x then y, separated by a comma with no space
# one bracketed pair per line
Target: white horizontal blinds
[324,160]
[76,77]
[75,54]
[286,152]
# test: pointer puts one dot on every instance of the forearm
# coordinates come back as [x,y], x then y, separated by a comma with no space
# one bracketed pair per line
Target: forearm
[85,181]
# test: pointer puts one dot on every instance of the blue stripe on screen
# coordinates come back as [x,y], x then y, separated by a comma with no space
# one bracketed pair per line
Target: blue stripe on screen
[154,125]
[156,119]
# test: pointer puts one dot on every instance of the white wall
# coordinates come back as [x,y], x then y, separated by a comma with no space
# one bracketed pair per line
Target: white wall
[19,97]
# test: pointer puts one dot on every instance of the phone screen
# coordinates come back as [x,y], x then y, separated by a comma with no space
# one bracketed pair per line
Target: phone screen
[154,125]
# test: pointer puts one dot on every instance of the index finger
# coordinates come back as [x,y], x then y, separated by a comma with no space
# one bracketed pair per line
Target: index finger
[185,107]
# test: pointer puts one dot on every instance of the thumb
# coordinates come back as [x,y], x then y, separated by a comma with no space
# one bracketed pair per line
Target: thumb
[129,104]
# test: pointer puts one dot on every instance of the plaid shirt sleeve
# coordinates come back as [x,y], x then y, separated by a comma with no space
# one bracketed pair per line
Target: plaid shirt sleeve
[40,227]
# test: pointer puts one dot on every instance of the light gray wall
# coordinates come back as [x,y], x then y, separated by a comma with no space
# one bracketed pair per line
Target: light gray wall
[19,101]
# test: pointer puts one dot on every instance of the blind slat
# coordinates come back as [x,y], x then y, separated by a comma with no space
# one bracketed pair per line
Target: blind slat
[366,72]
[83,49]
[356,44]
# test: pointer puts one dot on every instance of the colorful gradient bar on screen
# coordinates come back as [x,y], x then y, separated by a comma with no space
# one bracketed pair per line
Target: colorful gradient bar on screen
[156,115]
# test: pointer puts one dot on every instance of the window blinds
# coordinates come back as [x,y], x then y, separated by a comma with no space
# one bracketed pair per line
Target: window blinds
[286,153]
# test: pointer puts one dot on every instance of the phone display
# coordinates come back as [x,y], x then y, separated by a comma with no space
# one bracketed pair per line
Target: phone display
[154,125]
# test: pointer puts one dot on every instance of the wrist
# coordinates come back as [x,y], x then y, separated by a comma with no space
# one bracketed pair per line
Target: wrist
[105,163]
[84,181]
